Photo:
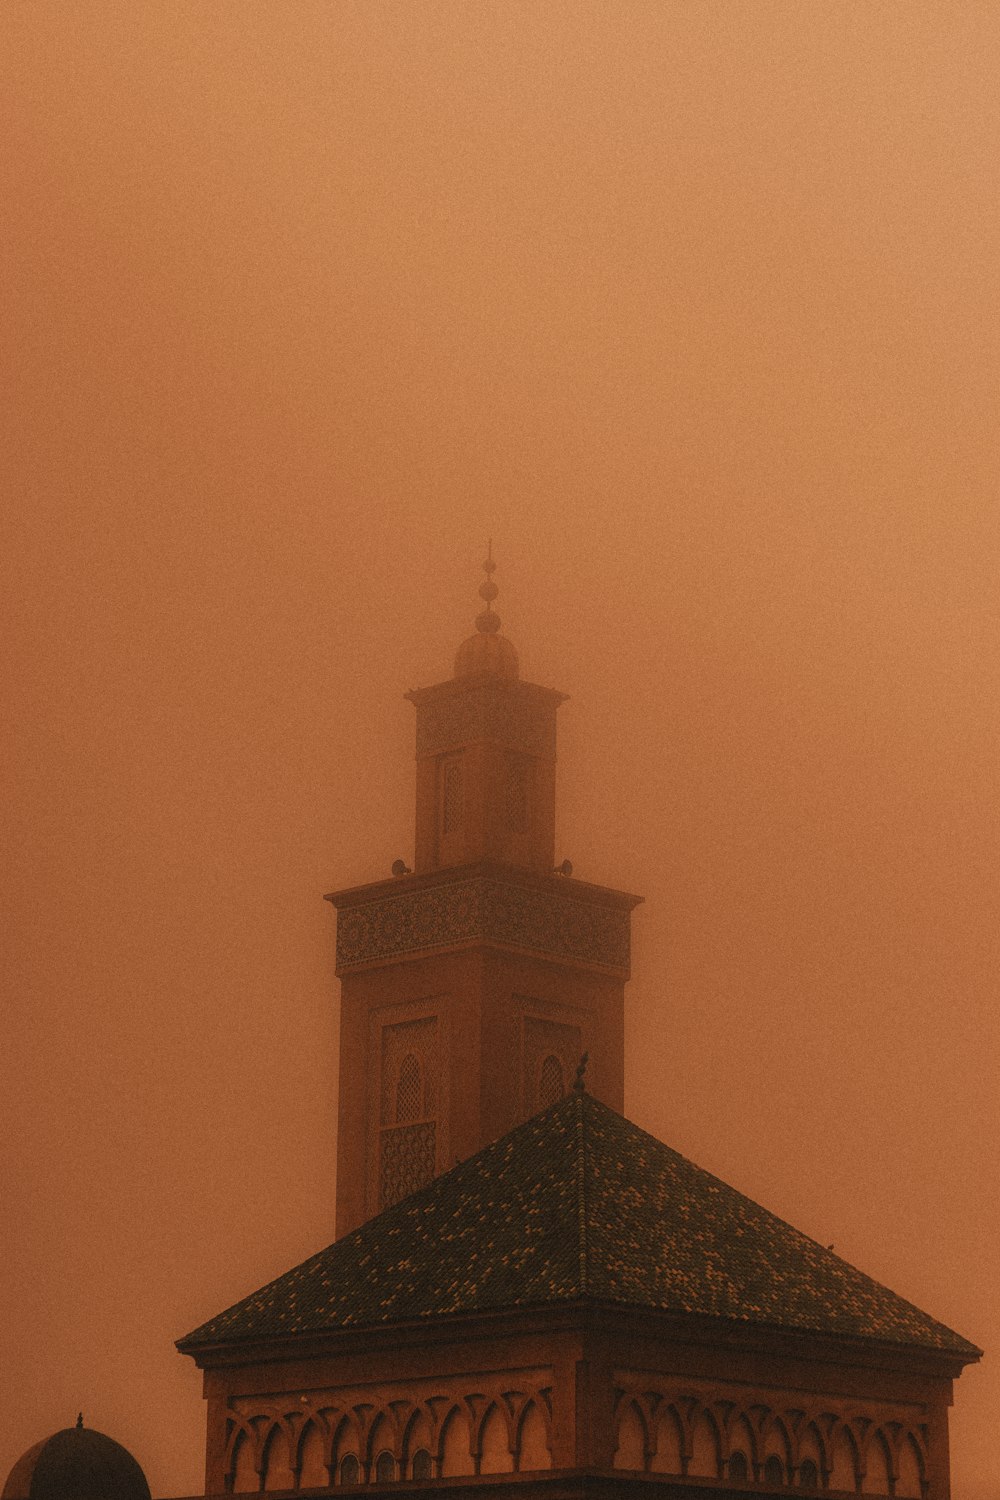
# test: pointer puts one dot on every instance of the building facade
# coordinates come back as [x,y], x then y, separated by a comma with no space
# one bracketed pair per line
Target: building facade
[527,1292]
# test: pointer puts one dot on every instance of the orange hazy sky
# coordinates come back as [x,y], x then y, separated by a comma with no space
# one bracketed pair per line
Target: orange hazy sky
[693,308]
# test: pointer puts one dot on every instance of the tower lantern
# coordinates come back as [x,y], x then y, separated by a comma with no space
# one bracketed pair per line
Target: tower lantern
[486,756]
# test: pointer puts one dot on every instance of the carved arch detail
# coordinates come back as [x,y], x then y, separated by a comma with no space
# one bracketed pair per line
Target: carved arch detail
[237,1427]
[741,1433]
[377,1418]
[632,1433]
[242,1435]
[809,1432]
[499,1405]
[834,1445]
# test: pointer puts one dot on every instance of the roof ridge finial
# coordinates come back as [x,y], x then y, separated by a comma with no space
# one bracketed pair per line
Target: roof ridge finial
[79,1420]
[488,621]
[579,1086]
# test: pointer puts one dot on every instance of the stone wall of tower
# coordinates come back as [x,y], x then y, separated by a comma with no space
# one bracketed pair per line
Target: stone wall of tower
[489,1033]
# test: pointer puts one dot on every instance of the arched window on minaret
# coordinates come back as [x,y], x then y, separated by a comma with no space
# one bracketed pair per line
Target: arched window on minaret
[408,1130]
[409,1104]
[550,1082]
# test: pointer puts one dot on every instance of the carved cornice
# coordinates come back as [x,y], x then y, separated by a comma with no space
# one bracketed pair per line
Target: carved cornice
[553,923]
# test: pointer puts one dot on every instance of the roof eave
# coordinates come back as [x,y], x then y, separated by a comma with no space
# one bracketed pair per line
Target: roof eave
[589,1315]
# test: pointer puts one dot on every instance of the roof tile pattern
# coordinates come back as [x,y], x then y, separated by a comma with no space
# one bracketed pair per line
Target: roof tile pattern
[577,1203]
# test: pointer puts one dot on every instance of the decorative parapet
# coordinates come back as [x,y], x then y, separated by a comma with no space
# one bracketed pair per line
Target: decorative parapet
[551,922]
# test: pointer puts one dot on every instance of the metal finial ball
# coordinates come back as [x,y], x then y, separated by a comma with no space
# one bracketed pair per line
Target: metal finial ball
[488,591]
[489,566]
[488,623]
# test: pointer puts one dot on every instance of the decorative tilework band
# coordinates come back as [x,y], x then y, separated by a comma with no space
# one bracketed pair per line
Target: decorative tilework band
[556,925]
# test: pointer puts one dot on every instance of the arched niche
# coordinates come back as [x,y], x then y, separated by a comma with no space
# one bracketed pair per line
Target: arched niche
[381,1439]
[908,1480]
[277,1464]
[532,1440]
[669,1443]
[494,1444]
[245,1478]
[630,1452]
[419,1440]
[349,1470]
[844,1465]
[346,1452]
[774,1472]
[384,1468]
[742,1439]
[809,1474]
[313,1471]
[456,1444]
[810,1453]
[704,1448]
[877,1466]
[421,1464]
[777,1444]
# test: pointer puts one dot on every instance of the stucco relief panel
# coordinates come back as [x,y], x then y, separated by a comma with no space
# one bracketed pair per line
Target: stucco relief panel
[556,924]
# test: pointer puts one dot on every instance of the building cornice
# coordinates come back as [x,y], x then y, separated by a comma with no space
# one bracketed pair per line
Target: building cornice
[549,916]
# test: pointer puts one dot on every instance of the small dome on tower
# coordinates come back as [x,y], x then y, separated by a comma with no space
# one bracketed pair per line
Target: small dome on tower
[486,653]
[76,1463]
[487,650]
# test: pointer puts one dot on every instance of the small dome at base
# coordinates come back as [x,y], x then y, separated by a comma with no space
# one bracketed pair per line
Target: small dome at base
[484,652]
[76,1464]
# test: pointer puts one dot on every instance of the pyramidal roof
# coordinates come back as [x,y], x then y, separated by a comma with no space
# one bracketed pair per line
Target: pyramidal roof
[577,1204]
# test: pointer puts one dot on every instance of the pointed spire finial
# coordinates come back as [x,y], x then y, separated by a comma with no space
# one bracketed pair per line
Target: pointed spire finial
[486,650]
[488,622]
[79,1419]
[581,1068]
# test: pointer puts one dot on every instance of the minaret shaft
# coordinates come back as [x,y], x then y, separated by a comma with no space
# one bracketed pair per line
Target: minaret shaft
[470,986]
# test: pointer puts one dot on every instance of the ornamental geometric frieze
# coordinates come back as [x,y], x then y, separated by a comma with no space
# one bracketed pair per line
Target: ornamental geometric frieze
[483,909]
[486,714]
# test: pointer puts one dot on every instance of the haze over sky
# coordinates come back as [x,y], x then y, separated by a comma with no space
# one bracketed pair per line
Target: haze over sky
[693,308]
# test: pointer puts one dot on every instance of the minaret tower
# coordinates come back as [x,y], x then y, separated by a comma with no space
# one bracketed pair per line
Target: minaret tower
[471,985]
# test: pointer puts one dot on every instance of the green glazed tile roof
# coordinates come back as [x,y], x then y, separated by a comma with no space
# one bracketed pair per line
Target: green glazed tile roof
[577,1203]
